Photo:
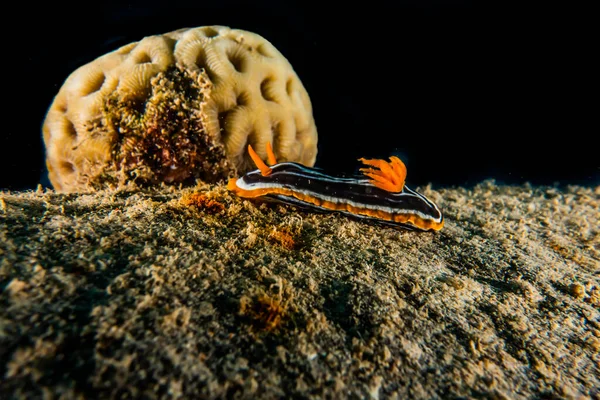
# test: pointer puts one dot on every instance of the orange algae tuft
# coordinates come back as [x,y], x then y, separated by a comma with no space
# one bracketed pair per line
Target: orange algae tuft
[283,238]
[202,202]
[266,313]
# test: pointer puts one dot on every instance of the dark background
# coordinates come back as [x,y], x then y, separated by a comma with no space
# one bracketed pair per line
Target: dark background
[461,91]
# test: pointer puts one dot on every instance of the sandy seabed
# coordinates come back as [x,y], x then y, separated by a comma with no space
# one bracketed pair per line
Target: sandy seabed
[196,293]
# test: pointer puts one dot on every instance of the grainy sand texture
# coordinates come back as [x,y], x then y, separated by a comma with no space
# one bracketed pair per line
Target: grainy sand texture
[195,293]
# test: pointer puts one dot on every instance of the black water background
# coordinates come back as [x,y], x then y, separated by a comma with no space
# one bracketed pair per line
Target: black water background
[459,90]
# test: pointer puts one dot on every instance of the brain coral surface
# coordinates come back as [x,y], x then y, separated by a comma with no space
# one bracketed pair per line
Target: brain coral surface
[177,107]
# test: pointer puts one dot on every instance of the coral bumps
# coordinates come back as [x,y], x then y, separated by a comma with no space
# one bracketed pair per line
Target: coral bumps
[175,108]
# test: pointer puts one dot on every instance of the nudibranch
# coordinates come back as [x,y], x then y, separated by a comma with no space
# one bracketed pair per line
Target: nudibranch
[378,194]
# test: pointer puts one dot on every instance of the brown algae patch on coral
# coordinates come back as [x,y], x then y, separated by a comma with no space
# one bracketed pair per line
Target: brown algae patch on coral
[158,294]
[161,134]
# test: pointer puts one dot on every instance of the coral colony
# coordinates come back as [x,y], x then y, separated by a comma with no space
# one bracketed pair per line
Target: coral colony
[176,107]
